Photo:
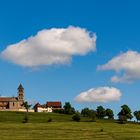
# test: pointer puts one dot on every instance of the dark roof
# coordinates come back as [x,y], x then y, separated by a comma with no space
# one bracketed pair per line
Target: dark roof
[51,104]
[39,105]
[7,99]
[20,86]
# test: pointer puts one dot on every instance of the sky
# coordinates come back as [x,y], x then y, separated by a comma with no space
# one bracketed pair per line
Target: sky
[85,52]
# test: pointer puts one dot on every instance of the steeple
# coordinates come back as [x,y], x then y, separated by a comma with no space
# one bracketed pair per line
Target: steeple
[20,87]
[20,93]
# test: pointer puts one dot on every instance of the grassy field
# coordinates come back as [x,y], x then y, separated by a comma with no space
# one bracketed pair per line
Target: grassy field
[62,128]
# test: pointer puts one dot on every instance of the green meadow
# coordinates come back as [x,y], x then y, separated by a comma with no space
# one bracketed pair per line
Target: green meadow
[63,128]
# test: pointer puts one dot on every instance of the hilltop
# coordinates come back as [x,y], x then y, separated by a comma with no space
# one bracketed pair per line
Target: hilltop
[62,127]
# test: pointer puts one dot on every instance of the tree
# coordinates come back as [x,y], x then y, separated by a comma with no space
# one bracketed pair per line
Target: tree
[100,112]
[68,109]
[27,106]
[85,112]
[122,119]
[125,113]
[137,115]
[76,117]
[109,113]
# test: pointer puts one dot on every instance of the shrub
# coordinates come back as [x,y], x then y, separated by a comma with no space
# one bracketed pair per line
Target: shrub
[76,117]
[101,130]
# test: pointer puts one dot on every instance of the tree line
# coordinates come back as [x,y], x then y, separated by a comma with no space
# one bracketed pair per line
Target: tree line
[124,115]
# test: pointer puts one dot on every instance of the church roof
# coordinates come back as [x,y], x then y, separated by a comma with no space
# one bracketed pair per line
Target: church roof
[20,86]
[7,99]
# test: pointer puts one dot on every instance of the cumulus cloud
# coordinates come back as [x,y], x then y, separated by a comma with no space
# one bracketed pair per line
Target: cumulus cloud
[100,94]
[126,65]
[51,46]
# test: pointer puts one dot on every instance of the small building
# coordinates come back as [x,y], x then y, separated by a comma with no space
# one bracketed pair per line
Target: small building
[41,108]
[13,103]
[54,105]
[48,107]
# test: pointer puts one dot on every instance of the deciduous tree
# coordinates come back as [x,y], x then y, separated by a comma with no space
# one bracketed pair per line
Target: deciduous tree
[85,112]
[137,115]
[100,112]
[68,109]
[27,106]
[109,113]
[125,113]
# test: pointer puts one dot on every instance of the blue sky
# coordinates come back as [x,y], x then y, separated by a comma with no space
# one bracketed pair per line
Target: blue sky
[116,24]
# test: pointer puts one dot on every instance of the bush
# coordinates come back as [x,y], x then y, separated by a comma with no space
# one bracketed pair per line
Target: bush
[101,130]
[76,117]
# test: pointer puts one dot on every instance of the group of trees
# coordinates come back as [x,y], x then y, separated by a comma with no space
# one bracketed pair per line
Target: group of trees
[86,112]
[124,115]
[99,113]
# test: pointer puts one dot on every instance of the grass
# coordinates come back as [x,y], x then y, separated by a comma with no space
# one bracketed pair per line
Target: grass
[63,128]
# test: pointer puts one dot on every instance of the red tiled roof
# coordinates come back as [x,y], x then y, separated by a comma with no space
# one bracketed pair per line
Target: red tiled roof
[7,99]
[51,104]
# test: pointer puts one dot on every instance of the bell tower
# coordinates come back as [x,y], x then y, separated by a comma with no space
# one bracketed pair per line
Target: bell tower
[20,93]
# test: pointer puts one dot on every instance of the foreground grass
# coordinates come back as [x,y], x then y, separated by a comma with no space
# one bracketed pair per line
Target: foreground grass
[62,128]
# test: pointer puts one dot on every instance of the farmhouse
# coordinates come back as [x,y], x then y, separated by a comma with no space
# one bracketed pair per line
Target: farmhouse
[13,103]
[48,107]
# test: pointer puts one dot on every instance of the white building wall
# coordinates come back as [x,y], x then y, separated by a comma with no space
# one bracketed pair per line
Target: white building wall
[40,109]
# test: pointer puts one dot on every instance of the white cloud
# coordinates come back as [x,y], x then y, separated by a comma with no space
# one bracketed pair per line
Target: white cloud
[126,66]
[51,46]
[100,94]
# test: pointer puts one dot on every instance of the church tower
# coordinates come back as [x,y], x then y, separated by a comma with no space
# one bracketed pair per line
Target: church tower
[20,93]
